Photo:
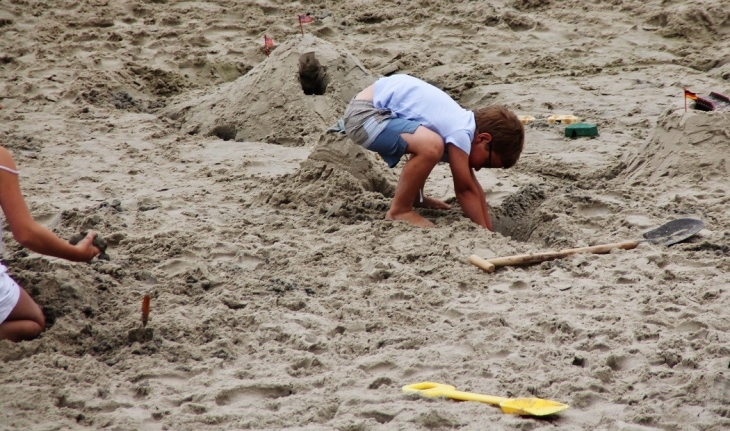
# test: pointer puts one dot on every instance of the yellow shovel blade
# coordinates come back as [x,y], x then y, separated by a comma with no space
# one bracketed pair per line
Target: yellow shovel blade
[516,406]
[532,406]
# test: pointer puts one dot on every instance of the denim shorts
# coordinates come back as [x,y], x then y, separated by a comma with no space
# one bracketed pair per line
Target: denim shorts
[389,143]
[377,130]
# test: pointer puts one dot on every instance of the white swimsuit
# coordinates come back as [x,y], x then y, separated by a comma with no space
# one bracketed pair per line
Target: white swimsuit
[9,289]
[9,293]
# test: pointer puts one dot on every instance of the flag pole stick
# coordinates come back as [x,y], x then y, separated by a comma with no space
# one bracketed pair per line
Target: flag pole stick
[301,27]
[685,100]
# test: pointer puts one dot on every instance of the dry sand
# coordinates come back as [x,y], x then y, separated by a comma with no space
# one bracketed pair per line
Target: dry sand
[282,299]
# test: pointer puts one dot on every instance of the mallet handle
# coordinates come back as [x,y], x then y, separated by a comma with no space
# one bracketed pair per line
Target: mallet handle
[527,259]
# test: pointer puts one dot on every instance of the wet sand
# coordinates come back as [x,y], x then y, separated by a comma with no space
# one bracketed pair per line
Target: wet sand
[281,298]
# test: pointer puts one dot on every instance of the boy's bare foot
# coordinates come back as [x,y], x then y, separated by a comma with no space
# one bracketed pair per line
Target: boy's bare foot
[432,203]
[411,217]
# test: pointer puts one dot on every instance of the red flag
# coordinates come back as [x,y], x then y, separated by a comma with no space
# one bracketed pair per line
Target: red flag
[268,44]
[690,95]
[304,19]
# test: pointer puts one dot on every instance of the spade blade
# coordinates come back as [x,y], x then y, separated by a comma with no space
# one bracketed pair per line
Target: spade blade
[674,231]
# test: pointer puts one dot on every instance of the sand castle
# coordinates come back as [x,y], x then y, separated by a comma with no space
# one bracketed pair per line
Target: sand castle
[289,98]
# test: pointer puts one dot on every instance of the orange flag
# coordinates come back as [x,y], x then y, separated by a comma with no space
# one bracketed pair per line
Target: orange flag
[145,310]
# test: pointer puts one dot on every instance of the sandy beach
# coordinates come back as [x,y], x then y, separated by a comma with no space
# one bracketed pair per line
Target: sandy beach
[282,299]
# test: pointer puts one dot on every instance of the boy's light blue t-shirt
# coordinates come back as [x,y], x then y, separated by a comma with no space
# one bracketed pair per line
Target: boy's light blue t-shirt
[410,98]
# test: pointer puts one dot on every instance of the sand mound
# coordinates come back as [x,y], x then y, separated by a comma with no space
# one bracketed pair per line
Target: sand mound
[296,93]
[691,21]
[694,145]
[340,177]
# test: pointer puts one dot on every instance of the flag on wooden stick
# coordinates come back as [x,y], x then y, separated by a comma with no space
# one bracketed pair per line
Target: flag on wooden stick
[304,19]
[688,95]
[268,44]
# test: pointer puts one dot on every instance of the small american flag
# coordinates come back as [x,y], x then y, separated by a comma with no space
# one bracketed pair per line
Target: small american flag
[268,44]
[304,19]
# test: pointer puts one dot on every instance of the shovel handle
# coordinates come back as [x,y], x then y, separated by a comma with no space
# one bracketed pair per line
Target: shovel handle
[471,396]
[431,389]
[527,259]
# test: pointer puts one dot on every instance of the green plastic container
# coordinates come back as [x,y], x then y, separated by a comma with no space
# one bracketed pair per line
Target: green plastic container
[581,129]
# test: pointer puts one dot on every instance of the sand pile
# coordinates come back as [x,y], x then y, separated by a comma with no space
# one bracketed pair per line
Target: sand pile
[706,20]
[340,178]
[685,164]
[694,145]
[289,99]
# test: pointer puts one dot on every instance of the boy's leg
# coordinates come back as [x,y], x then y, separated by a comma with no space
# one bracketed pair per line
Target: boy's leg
[423,201]
[25,322]
[426,148]
[432,203]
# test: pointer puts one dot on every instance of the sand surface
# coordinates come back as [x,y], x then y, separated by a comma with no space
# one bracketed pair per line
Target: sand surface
[281,299]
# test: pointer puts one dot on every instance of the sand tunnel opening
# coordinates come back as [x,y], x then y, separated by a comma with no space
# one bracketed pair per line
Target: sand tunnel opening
[518,216]
[312,75]
[227,132]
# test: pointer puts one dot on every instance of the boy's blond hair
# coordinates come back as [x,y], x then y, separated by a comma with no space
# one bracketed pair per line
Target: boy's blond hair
[508,133]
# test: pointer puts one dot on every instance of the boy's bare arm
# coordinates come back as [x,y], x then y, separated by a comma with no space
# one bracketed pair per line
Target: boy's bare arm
[468,191]
[483,200]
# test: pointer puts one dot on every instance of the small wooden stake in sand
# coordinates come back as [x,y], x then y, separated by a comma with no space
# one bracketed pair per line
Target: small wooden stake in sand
[145,310]
[143,334]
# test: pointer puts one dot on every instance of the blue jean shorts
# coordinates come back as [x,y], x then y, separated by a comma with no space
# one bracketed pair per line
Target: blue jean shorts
[389,143]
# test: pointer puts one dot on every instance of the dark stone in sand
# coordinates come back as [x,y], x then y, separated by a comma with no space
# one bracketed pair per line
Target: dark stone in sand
[98,242]
[140,335]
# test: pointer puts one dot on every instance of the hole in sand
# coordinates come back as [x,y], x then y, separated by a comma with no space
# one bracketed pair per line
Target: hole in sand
[227,132]
[312,75]
[517,217]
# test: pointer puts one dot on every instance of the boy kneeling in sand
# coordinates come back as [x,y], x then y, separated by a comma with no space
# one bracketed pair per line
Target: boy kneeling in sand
[401,114]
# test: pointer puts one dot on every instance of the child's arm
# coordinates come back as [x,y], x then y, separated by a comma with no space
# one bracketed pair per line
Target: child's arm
[468,191]
[483,200]
[26,230]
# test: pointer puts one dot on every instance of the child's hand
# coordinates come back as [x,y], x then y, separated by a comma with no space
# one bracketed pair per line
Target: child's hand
[86,248]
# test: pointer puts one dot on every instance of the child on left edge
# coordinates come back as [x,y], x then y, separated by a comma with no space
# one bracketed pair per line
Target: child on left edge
[20,317]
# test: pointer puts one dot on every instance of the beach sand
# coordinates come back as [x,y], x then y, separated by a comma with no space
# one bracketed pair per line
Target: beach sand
[282,299]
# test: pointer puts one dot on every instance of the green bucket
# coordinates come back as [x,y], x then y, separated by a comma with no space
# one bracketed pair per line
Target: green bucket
[581,129]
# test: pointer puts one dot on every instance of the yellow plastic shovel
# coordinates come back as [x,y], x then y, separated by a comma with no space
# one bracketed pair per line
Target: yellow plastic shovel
[515,406]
